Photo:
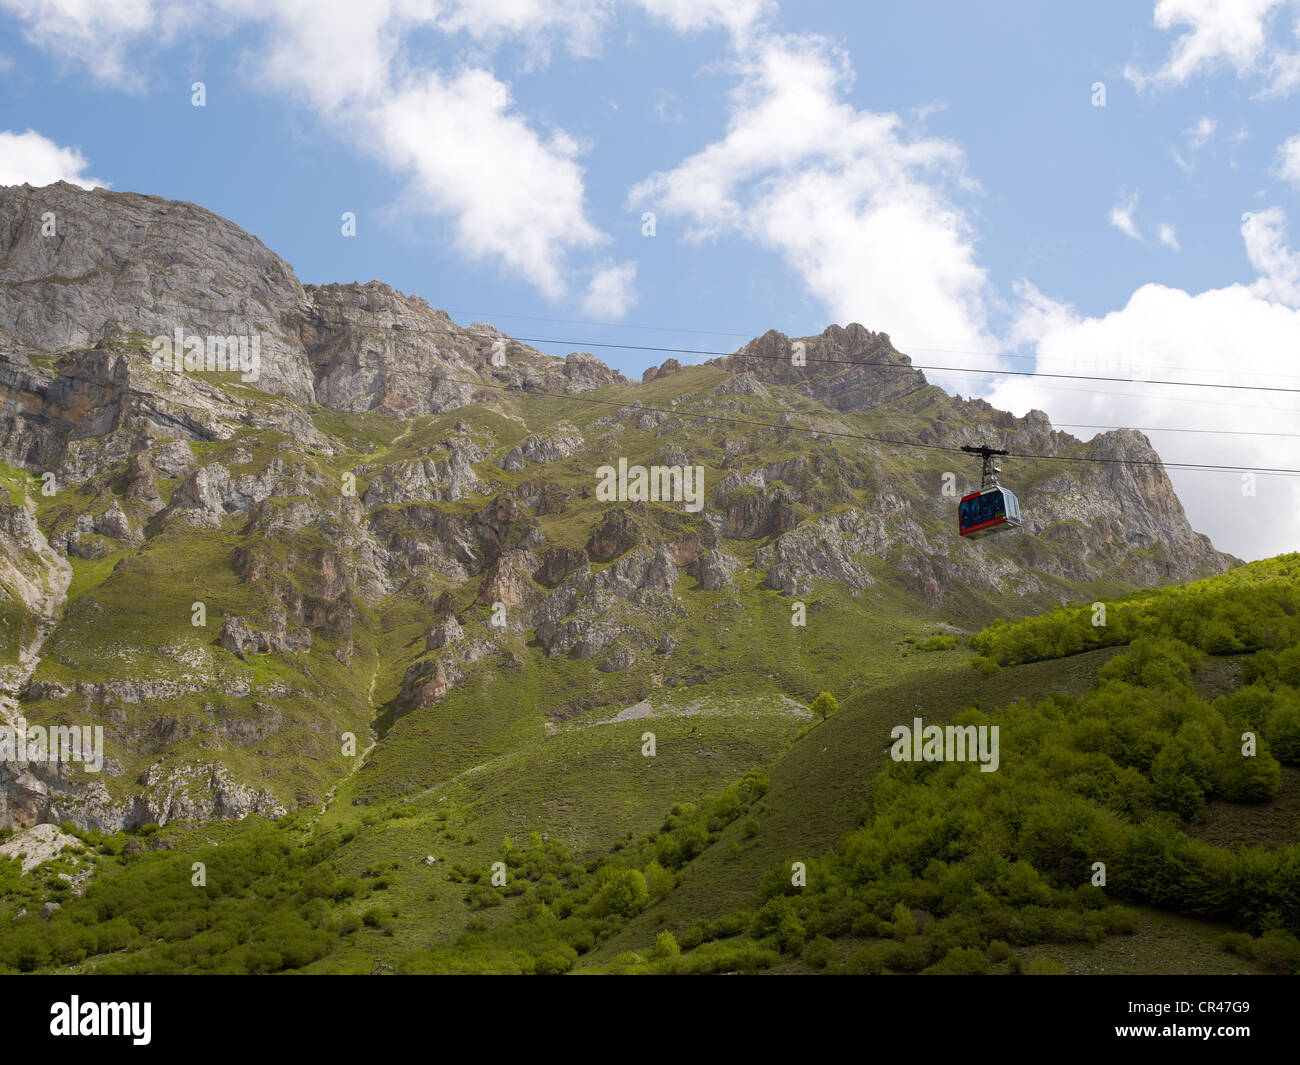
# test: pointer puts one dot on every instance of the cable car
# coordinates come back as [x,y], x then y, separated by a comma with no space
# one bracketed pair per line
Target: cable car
[993,508]
[988,511]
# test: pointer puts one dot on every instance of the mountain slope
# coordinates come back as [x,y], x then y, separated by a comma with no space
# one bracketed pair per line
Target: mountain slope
[397,527]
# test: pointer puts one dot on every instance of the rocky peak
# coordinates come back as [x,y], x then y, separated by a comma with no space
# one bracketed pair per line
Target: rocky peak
[122,268]
[123,261]
[848,368]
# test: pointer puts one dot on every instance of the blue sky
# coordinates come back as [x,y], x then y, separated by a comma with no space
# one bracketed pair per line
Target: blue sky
[927,169]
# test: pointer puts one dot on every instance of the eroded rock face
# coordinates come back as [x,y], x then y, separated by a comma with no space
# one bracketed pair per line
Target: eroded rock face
[241,640]
[558,444]
[557,563]
[617,534]
[506,582]
[427,682]
[589,611]
[126,261]
[52,792]
[750,515]
[741,384]
[826,549]
[448,474]
[586,372]
[212,492]
[444,634]
[715,569]
[37,845]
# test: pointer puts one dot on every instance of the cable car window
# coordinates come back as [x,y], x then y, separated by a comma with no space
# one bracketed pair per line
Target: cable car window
[982,509]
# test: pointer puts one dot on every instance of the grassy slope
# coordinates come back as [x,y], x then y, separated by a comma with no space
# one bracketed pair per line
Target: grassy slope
[586,782]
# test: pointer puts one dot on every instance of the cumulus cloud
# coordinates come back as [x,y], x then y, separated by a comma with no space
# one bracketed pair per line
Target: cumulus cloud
[1237,35]
[612,291]
[28,158]
[1276,264]
[1231,33]
[1241,334]
[863,209]
[515,197]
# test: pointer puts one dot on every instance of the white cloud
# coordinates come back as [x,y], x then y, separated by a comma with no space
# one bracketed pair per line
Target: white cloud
[28,158]
[97,33]
[1221,32]
[516,197]
[326,54]
[612,291]
[1241,334]
[1199,135]
[1276,264]
[738,17]
[539,23]
[862,209]
[1288,161]
[1168,237]
[1284,75]
[1121,217]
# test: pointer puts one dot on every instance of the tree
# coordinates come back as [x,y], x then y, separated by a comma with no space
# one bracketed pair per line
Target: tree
[825,704]
[665,946]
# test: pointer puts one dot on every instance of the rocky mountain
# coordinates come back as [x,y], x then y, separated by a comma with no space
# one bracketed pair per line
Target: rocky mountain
[247,579]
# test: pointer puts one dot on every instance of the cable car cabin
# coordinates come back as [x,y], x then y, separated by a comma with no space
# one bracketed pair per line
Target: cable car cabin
[988,511]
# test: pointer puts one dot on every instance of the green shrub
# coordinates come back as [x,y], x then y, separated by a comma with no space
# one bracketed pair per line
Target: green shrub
[621,892]
[1238,943]
[938,643]
[819,953]
[1278,952]
[961,961]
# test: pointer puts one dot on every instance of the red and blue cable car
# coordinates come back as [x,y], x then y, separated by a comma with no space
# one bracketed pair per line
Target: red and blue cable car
[988,511]
[993,508]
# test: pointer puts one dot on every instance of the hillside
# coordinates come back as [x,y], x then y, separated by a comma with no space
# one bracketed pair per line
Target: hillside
[1128,754]
[368,605]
